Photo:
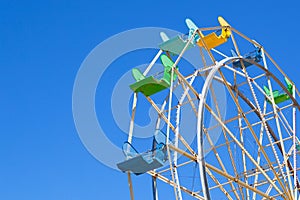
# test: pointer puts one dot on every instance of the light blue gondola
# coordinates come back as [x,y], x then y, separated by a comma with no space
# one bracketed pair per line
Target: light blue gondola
[144,162]
[174,45]
[254,56]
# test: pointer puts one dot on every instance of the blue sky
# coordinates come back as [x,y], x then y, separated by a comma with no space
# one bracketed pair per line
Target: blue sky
[42,45]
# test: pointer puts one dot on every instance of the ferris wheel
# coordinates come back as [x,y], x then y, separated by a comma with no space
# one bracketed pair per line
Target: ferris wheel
[242,143]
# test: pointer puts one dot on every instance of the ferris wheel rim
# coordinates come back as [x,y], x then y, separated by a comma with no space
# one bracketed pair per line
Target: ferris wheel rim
[205,88]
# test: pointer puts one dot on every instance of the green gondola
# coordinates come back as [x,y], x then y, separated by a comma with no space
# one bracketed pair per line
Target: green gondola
[150,85]
[280,97]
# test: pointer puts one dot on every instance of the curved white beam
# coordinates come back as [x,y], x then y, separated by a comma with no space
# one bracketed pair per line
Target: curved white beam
[202,97]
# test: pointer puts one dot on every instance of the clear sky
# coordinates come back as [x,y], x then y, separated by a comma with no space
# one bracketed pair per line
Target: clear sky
[42,45]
